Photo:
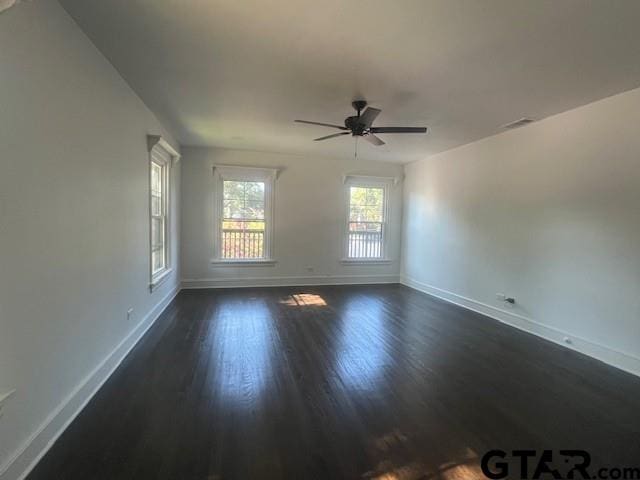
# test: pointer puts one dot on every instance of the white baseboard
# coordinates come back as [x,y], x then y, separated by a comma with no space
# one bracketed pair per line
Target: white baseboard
[293,281]
[25,459]
[624,361]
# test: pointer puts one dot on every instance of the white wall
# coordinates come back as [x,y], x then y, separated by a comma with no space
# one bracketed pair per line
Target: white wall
[309,214]
[73,224]
[548,214]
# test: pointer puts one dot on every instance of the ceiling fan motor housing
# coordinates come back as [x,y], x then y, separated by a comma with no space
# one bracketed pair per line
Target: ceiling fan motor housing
[352,123]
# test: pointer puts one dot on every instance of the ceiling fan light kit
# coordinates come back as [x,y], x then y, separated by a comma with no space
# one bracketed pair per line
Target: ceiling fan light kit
[360,125]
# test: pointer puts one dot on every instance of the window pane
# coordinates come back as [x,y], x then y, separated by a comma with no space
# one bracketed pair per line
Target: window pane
[358,196]
[374,196]
[157,260]
[356,213]
[366,219]
[243,226]
[233,208]
[157,233]
[366,204]
[365,240]
[254,191]
[159,177]
[254,210]
[233,189]
[156,205]
[243,200]
[156,178]
[373,214]
[242,240]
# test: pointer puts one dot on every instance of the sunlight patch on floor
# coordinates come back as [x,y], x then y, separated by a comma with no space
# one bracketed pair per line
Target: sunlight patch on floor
[304,300]
[464,468]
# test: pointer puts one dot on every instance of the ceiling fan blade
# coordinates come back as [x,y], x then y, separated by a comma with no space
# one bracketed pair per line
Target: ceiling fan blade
[322,124]
[368,116]
[331,136]
[373,139]
[398,130]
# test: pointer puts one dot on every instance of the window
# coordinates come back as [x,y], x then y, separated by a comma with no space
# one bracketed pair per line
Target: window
[244,197]
[243,222]
[161,155]
[366,220]
[159,177]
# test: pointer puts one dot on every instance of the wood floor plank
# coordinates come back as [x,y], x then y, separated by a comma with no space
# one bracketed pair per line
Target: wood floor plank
[358,382]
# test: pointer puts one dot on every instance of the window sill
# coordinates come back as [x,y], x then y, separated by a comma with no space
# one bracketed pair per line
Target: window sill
[364,261]
[159,279]
[235,263]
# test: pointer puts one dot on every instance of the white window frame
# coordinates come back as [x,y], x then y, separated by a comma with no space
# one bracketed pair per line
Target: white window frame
[367,182]
[224,173]
[161,153]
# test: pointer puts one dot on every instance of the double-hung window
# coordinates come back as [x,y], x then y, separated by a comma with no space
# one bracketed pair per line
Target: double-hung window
[161,155]
[159,181]
[244,198]
[366,229]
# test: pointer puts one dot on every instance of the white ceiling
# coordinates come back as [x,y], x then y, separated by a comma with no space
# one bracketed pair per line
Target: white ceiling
[236,73]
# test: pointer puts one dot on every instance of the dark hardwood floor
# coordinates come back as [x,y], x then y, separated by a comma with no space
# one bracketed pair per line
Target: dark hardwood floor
[361,382]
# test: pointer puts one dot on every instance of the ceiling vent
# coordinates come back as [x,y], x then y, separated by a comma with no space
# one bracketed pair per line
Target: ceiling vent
[517,124]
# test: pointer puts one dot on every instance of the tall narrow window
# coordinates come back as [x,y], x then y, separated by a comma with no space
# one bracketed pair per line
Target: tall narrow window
[243,222]
[161,155]
[158,217]
[366,223]
[244,197]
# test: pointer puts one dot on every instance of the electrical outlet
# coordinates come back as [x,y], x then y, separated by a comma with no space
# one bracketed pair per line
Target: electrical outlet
[3,399]
[509,301]
[129,314]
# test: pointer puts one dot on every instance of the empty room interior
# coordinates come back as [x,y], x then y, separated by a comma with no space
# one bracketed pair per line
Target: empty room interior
[286,239]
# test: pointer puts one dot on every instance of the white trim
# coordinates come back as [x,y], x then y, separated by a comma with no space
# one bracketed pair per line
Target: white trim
[245,174]
[239,172]
[372,182]
[160,279]
[252,262]
[163,155]
[18,466]
[154,141]
[363,261]
[624,361]
[371,179]
[288,281]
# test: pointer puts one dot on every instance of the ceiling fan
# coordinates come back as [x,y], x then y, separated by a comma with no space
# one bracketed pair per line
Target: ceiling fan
[360,125]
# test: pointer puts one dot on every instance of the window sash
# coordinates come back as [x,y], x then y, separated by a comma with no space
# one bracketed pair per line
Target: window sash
[244,213]
[243,243]
[243,240]
[158,216]
[243,198]
[366,223]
